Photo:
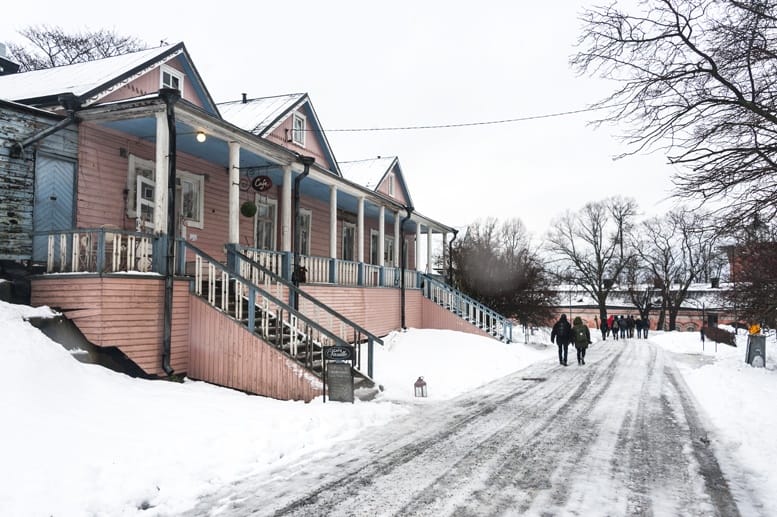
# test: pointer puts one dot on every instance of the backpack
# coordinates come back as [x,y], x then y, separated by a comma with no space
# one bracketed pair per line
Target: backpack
[580,335]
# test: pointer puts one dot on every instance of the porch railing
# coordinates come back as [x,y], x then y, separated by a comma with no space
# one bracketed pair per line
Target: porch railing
[273,320]
[467,308]
[101,250]
[306,304]
[325,270]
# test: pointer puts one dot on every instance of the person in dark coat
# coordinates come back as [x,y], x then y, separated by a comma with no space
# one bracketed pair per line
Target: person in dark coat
[581,338]
[638,326]
[645,327]
[622,326]
[561,334]
[603,328]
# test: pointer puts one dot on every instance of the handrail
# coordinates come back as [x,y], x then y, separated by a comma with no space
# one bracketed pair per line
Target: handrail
[491,321]
[100,250]
[306,329]
[232,251]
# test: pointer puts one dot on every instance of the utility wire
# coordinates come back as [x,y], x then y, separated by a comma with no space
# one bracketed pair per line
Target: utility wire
[468,124]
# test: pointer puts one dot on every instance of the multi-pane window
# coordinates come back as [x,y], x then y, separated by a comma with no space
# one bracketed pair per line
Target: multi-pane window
[388,252]
[349,242]
[266,211]
[304,225]
[373,247]
[298,129]
[141,195]
[171,78]
[190,192]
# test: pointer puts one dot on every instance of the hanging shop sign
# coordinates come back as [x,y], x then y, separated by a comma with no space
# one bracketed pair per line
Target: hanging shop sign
[262,183]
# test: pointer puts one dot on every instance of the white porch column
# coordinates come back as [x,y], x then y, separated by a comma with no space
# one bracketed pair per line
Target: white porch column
[234,192]
[445,250]
[286,209]
[418,246]
[160,173]
[360,230]
[333,222]
[381,236]
[397,243]
[429,250]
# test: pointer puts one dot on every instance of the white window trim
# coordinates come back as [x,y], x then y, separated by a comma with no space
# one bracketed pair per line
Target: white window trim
[309,213]
[391,185]
[173,72]
[294,117]
[388,251]
[199,180]
[258,198]
[132,209]
[134,163]
[342,241]
[376,235]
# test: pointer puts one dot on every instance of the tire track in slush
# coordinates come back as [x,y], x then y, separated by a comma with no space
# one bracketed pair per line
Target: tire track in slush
[537,442]
[492,456]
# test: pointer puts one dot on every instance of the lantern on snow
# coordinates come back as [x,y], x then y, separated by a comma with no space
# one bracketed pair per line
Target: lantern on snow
[420,387]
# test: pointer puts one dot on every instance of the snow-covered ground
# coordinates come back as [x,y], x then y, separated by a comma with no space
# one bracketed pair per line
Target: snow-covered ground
[79,440]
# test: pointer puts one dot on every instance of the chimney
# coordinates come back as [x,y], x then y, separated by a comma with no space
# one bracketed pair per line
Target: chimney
[245,98]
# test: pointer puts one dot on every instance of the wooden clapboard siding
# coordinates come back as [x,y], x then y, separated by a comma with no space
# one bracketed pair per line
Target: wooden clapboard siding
[282,136]
[151,82]
[436,317]
[223,352]
[379,309]
[122,311]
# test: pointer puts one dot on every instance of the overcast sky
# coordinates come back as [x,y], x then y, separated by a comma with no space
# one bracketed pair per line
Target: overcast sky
[409,63]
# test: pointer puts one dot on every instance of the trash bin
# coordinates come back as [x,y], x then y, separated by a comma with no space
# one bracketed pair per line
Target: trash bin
[756,350]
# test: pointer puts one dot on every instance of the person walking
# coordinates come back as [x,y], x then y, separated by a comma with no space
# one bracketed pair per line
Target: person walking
[638,326]
[603,328]
[645,326]
[561,334]
[581,338]
[622,326]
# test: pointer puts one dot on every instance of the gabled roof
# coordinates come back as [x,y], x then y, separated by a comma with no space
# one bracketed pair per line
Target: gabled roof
[369,173]
[91,80]
[261,116]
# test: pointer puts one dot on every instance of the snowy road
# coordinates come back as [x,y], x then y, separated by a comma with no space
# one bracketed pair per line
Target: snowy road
[618,436]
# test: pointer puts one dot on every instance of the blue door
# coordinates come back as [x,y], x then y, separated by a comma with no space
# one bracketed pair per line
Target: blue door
[54,200]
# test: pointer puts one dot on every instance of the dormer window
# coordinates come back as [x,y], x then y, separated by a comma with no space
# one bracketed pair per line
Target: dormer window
[298,129]
[171,78]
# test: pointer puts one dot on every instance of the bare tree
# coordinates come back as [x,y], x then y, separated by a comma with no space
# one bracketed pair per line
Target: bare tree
[696,79]
[676,250]
[49,47]
[592,246]
[494,263]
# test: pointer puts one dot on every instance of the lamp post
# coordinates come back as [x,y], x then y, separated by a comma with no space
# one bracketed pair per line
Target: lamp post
[420,387]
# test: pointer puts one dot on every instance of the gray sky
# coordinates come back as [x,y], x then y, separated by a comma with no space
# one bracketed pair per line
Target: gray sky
[411,63]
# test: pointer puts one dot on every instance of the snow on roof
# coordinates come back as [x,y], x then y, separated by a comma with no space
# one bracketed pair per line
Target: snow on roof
[257,115]
[367,173]
[79,78]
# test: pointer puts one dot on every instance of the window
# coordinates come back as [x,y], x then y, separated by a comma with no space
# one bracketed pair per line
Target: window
[141,195]
[388,252]
[266,211]
[390,180]
[189,194]
[349,242]
[304,225]
[171,78]
[373,247]
[139,168]
[298,129]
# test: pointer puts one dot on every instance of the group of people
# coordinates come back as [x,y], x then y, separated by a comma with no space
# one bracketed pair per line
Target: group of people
[577,334]
[563,334]
[623,327]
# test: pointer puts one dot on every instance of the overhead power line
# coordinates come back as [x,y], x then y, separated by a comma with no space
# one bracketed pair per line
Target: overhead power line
[468,124]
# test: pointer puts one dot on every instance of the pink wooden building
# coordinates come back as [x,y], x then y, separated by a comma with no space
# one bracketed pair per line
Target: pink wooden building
[223,241]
